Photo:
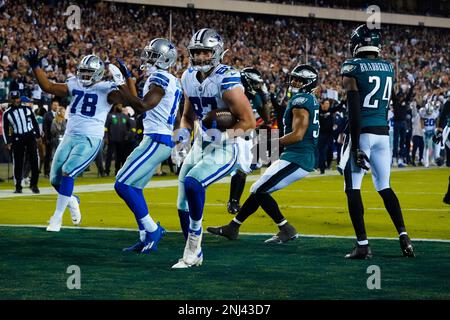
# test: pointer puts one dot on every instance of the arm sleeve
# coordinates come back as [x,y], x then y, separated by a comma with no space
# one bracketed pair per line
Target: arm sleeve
[36,130]
[354,117]
[160,80]
[230,80]
[5,127]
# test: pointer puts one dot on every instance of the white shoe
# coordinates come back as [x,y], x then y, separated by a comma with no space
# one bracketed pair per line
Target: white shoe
[193,255]
[54,224]
[74,208]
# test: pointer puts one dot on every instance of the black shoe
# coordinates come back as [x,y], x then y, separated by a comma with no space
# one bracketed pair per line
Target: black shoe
[18,190]
[233,206]
[228,231]
[446,199]
[406,246]
[287,233]
[2,180]
[35,190]
[360,252]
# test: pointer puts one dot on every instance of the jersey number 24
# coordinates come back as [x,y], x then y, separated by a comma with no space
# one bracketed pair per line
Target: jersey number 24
[373,103]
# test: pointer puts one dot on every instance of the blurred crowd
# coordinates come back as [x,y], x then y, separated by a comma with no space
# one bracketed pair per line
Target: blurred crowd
[272,44]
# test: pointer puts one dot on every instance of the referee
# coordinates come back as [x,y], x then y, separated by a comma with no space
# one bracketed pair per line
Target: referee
[20,131]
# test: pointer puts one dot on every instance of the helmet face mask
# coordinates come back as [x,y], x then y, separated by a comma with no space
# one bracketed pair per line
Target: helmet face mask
[303,78]
[159,53]
[252,80]
[203,65]
[205,40]
[90,70]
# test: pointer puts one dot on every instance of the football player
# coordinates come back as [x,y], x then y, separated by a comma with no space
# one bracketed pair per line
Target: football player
[429,116]
[442,137]
[256,92]
[207,85]
[301,128]
[368,82]
[91,100]
[161,97]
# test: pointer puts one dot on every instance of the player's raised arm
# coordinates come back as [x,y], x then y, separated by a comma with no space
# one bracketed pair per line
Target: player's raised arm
[57,89]
[240,107]
[300,123]
[150,100]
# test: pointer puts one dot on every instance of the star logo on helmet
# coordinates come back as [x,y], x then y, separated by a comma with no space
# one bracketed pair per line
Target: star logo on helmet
[217,37]
[171,46]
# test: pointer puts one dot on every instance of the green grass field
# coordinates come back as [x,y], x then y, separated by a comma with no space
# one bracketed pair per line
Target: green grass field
[33,263]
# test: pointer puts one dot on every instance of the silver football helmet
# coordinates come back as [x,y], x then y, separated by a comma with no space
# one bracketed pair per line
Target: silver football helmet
[90,70]
[159,53]
[206,39]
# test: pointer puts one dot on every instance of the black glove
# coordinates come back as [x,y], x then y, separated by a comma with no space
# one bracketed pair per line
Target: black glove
[437,138]
[361,159]
[33,58]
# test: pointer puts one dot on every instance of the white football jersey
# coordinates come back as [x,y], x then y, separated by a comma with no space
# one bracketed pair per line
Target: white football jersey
[89,107]
[429,120]
[207,96]
[161,118]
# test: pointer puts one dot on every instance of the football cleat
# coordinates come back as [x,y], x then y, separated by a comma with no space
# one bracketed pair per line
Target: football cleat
[54,224]
[137,247]
[74,208]
[228,231]
[192,255]
[406,246]
[360,252]
[233,206]
[446,198]
[152,239]
[287,232]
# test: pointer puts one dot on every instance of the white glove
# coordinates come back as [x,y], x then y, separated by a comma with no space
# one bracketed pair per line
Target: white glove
[116,74]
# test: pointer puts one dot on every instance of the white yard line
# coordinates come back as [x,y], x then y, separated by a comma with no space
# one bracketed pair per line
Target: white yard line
[101,187]
[171,204]
[244,233]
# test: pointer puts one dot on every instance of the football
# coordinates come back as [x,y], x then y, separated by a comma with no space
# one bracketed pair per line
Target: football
[221,119]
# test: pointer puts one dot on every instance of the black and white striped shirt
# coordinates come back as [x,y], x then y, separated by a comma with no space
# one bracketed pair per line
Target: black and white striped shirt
[17,122]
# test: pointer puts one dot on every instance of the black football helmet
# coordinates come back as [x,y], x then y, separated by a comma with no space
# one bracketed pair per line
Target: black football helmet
[251,80]
[306,75]
[364,39]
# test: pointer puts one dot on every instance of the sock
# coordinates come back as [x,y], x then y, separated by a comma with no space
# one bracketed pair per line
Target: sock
[142,234]
[356,210]
[195,226]
[270,206]
[248,208]
[148,223]
[393,207]
[448,190]
[134,198]
[235,222]
[184,222]
[282,223]
[237,186]
[363,242]
[195,194]
[66,186]
[61,205]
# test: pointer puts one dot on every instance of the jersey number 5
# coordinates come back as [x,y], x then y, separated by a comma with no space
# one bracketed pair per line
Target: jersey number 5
[89,103]
[386,92]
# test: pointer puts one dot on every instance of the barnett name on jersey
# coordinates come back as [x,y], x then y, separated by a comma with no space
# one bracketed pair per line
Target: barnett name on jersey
[88,108]
[207,96]
[161,119]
